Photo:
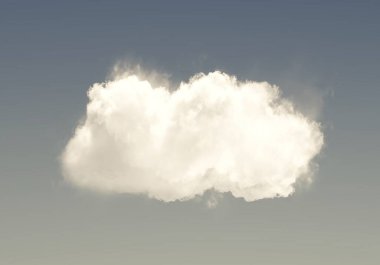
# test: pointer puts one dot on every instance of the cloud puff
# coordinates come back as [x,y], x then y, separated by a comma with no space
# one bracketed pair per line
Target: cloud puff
[211,133]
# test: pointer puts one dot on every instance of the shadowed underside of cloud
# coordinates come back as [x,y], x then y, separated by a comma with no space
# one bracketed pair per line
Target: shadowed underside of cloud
[211,133]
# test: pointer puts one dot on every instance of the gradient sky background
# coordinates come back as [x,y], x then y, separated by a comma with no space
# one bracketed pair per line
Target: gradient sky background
[323,54]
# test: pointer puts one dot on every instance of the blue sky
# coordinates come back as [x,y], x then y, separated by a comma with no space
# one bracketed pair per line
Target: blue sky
[323,54]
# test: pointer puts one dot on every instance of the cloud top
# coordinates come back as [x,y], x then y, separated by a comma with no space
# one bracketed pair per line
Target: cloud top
[212,132]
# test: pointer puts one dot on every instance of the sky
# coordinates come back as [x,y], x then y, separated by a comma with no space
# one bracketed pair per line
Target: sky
[324,56]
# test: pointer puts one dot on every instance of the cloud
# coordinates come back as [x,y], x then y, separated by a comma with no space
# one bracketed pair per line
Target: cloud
[211,133]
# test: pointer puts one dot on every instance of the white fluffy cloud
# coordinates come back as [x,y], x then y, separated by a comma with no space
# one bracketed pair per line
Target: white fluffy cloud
[213,132]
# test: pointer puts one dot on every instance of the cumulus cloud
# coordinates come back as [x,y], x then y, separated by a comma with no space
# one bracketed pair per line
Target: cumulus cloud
[211,133]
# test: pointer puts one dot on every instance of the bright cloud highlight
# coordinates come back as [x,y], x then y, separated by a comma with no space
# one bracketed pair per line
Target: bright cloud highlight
[211,133]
